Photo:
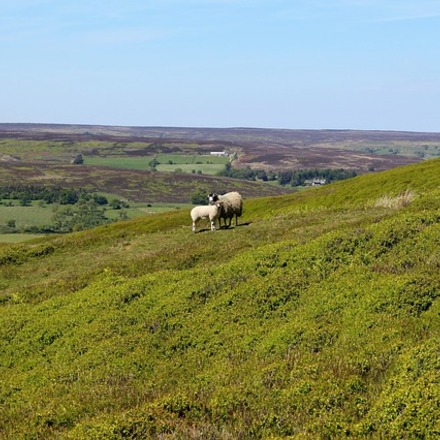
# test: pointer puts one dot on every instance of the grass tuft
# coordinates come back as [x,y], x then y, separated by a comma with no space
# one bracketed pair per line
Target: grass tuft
[397,202]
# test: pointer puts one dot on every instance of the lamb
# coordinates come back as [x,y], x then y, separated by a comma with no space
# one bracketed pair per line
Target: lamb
[232,206]
[206,211]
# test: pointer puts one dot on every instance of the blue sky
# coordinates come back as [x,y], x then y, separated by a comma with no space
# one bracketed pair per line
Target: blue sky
[338,64]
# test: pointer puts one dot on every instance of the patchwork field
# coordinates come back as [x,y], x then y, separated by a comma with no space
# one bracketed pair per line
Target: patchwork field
[266,148]
[183,163]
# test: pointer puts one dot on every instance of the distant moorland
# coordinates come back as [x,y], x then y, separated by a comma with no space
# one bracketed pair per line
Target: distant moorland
[273,148]
[140,170]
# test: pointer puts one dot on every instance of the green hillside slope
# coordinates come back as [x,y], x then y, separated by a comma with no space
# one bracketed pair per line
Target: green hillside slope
[316,318]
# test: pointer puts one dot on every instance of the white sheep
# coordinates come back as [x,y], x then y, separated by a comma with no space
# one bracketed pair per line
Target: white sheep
[232,205]
[210,212]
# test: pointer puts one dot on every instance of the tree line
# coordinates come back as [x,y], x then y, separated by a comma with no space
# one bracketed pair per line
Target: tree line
[74,209]
[287,177]
[49,194]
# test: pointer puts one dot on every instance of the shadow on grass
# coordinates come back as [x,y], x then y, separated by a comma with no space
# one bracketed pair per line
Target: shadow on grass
[222,228]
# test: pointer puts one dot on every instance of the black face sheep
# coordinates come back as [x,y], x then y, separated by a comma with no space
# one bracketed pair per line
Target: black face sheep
[232,206]
[210,212]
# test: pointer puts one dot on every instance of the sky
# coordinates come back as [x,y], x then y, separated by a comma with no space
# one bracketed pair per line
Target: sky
[294,64]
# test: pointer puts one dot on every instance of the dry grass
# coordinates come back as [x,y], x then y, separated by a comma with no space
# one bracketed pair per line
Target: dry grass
[397,202]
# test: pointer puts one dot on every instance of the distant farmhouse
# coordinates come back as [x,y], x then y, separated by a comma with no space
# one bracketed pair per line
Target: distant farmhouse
[314,182]
[219,153]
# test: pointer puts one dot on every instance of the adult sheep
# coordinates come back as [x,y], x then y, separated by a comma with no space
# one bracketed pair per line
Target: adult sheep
[211,212]
[232,206]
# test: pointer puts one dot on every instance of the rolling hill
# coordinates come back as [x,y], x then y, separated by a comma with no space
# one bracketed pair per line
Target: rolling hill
[41,154]
[318,317]
[359,150]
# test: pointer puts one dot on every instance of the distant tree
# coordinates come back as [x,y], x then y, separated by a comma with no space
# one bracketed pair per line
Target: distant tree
[199,198]
[271,176]
[86,214]
[68,196]
[284,177]
[227,170]
[153,163]
[100,200]
[78,160]
[246,173]
[262,175]
[118,204]
[25,201]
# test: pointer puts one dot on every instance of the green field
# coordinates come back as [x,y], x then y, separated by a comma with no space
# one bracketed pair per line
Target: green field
[166,163]
[140,209]
[37,214]
[18,238]
[135,163]
[40,214]
[210,169]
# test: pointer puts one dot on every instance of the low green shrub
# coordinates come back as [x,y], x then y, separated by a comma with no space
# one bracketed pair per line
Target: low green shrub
[305,321]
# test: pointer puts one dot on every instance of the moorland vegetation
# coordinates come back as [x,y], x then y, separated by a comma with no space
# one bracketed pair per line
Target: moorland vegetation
[318,317]
[154,169]
[57,185]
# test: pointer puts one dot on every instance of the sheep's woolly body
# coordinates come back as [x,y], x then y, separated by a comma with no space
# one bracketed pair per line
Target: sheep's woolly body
[210,212]
[232,206]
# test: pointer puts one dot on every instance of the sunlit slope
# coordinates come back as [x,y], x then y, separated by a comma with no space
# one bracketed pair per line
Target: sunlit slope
[365,190]
[318,317]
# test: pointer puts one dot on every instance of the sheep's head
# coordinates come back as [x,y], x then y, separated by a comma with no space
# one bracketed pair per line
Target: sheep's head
[212,198]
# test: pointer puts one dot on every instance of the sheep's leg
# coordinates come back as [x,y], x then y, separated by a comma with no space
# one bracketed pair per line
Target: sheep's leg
[213,225]
[194,226]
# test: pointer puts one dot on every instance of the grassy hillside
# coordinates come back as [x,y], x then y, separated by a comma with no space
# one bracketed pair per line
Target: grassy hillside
[317,318]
